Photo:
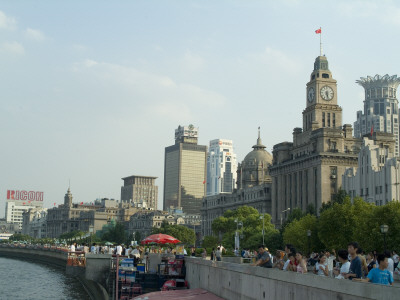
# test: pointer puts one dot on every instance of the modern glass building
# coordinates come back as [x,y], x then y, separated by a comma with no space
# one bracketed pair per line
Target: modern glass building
[221,167]
[185,171]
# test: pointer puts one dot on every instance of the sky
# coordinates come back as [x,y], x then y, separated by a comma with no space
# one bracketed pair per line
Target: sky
[92,91]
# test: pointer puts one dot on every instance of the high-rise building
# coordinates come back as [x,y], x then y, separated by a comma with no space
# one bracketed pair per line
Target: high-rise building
[185,171]
[140,190]
[381,107]
[221,167]
[308,171]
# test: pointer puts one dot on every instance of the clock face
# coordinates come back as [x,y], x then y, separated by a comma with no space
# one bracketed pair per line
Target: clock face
[310,94]
[326,93]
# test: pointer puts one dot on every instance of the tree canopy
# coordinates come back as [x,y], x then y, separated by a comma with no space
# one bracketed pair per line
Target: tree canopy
[180,232]
[250,231]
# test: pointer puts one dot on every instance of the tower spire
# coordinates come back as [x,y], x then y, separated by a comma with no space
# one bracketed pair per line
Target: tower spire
[258,131]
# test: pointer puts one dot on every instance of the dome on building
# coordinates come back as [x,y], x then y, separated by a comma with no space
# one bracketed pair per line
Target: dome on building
[254,168]
[258,155]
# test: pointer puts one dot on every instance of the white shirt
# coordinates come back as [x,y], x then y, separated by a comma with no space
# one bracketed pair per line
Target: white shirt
[286,265]
[319,271]
[72,249]
[93,249]
[344,269]
[329,261]
[119,250]
[390,267]
[395,258]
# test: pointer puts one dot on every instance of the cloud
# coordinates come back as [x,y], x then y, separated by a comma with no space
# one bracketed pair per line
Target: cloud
[7,22]
[34,34]
[275,58]
[385,11]
[193,62]
[13,48]
[152,94]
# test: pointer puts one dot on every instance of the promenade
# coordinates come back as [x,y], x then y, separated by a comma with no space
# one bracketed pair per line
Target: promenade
[228,280]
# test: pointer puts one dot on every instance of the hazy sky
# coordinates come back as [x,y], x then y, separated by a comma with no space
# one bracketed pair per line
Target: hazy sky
[92,91]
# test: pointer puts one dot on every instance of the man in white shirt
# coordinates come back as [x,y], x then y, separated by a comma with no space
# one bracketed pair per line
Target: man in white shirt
[390,266]
[72,248]
[119,250]
[329,260]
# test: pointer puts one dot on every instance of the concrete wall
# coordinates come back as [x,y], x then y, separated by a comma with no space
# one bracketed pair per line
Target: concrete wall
[242,281]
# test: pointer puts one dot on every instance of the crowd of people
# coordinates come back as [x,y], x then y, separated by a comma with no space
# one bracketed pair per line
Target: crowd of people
[351,263]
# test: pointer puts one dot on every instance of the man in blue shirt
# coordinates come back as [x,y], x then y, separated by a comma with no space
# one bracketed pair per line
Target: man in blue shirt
[355,270]
[379,275]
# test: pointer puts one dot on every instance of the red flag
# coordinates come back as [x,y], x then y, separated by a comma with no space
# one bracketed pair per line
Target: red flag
[372,129]
[204,182]
[81,203]
[54,204]
[318,31]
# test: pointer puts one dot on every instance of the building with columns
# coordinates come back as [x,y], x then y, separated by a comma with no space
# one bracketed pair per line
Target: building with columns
[381,107]
[377,177]
[308,170]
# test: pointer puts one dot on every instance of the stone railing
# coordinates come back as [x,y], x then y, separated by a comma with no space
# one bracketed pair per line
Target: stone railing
[242,281]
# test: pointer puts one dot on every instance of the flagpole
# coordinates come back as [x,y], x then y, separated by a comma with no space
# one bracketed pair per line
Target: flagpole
[320,42]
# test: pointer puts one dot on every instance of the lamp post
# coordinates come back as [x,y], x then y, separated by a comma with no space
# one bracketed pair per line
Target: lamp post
[237,238]
[384,230]
[91,230]
[262,217]
[309,241]
[283,211]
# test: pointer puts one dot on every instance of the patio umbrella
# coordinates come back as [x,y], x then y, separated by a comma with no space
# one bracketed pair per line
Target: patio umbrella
[160,238]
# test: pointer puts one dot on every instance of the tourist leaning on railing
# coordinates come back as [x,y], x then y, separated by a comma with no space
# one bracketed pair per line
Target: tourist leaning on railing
[344,269]
[379,275]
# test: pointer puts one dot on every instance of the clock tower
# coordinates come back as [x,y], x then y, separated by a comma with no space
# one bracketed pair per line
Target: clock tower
[322,109]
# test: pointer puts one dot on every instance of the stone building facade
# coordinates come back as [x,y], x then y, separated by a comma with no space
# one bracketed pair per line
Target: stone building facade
[309,169]
[376,179]
[144,220]
[140,191]
[34,222]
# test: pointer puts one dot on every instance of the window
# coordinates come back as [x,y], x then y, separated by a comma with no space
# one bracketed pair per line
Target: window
[333,120]
[324,75]
[323,119]
[329,120]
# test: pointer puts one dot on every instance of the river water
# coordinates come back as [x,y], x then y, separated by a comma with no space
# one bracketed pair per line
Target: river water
[31,281]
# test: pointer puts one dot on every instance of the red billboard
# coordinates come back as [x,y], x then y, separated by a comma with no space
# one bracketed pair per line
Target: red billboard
[24,195]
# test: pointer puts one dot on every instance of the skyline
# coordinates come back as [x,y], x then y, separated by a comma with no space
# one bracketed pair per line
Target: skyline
[93,92]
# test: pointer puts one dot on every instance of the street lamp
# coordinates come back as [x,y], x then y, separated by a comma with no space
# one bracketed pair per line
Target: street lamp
[283,211]
[237,238]
[262,217]
[309,241]
[384,230]
[91,230]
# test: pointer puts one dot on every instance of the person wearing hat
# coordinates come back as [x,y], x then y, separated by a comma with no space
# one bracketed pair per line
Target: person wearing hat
[263,258]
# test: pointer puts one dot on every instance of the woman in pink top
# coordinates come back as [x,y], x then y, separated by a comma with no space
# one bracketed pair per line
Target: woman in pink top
[301,264]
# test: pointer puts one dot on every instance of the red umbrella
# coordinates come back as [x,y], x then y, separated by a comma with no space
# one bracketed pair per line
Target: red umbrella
[160,238]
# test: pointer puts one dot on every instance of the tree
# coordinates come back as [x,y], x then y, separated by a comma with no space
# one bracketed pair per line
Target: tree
[115,234]
[296,234]
[180,232]
[250,231]
[340,197]
[210,241]
[336,225]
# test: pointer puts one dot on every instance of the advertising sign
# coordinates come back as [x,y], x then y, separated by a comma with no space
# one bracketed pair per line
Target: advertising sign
[24,195]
